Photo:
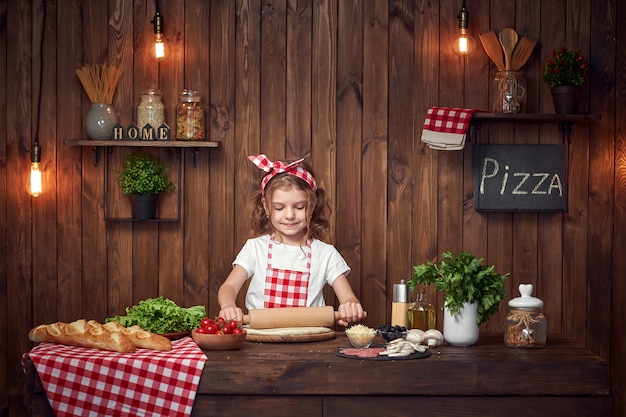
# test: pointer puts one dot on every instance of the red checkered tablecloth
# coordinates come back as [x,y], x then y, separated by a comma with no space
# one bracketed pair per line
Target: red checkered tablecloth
[91,382]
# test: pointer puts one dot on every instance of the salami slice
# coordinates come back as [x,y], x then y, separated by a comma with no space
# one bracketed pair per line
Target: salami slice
[362,352]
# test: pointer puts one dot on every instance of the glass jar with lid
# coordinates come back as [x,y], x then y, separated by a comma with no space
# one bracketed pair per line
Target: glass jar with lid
[150,109]
[525,325]
[190,116]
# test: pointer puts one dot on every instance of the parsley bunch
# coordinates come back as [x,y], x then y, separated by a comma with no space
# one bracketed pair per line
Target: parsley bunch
[464,279]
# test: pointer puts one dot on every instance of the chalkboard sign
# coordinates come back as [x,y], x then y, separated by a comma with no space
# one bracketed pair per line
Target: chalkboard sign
[519,178]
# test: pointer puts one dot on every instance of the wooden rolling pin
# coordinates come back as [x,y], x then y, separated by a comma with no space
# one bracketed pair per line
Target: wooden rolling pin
[272,318]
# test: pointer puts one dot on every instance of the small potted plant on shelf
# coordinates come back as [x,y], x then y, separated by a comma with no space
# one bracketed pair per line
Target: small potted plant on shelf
[473,292]
[565,72]
[143,177]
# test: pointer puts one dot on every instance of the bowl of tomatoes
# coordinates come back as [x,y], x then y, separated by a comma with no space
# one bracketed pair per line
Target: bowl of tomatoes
[219,334]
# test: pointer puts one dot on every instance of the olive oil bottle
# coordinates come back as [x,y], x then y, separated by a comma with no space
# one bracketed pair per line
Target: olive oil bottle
[421,313]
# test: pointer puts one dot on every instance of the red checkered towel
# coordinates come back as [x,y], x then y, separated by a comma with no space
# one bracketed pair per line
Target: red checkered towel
[445,128]
[90,382]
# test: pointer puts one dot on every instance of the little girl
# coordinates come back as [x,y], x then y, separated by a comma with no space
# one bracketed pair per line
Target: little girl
[288,264]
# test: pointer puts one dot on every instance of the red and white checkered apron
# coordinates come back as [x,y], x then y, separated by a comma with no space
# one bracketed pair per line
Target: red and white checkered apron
[285,287]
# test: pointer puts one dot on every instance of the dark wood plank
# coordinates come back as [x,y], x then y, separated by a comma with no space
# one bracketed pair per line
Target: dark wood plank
[401,130]
[323,142]
[117,49]
[349,133]
[602,100]
[4,223]
[69,165]
[273,79]
[618,286]
[467,407]
[19,205]
[196,203]
[248,116]
[222,164]
[425,161]
[299,81]
[374,175]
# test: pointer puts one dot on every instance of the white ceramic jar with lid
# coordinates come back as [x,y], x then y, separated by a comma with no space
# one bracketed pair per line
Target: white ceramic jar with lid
[525,325]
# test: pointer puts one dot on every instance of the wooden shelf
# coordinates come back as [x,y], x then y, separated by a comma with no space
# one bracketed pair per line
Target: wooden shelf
[535,118]
[565,122]
[97,145]
[177,145]
[145,143]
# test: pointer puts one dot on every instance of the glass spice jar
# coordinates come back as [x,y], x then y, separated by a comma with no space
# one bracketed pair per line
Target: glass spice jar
[190,116]
[509,89]
[150,109]
[525,325]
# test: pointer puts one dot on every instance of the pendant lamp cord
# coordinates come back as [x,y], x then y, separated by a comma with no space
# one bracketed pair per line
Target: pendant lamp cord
[41,54]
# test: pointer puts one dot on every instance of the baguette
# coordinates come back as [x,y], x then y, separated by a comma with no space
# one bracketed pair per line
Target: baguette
[80,333]
[141,338]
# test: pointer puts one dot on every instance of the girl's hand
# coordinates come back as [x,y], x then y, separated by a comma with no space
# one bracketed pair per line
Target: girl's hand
[351,312]
[232,313]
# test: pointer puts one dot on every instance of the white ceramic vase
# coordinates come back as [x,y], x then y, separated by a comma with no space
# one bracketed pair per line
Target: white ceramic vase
[461,329]
[101,119]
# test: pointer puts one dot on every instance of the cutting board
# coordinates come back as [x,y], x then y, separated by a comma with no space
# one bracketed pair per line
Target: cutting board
[271,336]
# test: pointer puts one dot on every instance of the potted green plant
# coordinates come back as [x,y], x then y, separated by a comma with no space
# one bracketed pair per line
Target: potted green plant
[473,292]
[565,72]
[143,177]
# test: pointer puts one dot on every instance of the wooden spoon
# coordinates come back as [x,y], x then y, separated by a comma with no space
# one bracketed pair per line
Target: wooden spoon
[522,52]
[493,48]
[508,40]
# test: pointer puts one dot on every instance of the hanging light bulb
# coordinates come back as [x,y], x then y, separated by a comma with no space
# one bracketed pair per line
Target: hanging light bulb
[35,187]
[159,48]
[464,42]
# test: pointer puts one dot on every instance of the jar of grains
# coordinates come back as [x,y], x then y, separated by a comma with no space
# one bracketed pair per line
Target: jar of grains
[190,116]
[150,109]
[525,325]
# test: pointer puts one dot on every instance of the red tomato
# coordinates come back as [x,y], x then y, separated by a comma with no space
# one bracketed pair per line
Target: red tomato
[205,322]
[237,330]
[220,321]
[233,324]
[226,329]
[201,330]
[219,332]
[212,328]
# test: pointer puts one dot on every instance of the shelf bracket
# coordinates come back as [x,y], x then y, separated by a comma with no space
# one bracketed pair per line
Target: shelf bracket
[194,157]
[95,153]
[566,130]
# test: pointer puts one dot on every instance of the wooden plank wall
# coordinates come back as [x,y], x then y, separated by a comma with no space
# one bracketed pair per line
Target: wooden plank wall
[345,83]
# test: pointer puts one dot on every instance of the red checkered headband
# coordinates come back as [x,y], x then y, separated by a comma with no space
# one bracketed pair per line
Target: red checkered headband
[273,168]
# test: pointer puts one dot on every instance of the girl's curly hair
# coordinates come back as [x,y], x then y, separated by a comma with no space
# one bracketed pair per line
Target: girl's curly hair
[318,206]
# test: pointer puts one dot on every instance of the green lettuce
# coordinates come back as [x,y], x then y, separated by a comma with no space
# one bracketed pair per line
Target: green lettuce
[161,315]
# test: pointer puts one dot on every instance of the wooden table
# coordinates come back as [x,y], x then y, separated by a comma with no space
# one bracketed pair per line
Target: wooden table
[308,379]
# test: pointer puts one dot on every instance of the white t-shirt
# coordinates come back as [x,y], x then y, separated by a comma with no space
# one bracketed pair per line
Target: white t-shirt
[326,265]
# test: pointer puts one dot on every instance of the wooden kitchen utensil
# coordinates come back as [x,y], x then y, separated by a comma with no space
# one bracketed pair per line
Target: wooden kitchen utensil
[508,40]
[492,47]
[271,318]
[522,52]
